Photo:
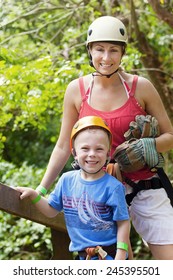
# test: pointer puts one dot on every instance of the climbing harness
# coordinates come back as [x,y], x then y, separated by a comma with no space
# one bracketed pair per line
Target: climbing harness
[100,252]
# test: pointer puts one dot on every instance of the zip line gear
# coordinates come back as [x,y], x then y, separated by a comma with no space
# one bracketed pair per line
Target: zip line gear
[135,154]
[140,148]
[107,29]
[88,122]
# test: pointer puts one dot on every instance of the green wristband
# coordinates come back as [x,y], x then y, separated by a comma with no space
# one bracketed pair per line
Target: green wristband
[37,199]
[42,190]
[122,245]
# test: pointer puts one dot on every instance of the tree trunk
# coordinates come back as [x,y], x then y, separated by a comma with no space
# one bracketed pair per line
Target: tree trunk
[150,61]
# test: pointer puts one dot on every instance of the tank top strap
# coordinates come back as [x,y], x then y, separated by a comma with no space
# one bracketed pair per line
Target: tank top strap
[134,84]
[84,94]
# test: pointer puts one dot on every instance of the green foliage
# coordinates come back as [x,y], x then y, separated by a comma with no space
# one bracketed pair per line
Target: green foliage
[159,36]
[22,239]
[24,176]
[31,107]
[35,69]
[29,93]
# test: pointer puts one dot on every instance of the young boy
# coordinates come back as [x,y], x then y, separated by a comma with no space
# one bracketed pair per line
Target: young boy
[93,201]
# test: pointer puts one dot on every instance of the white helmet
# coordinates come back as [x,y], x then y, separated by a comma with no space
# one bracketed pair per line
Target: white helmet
[107,28]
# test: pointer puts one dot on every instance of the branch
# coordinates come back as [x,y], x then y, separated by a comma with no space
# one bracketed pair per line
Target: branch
[33,12]
[152,69]
[63,27]
[19,34]
[162,12]
[36,31]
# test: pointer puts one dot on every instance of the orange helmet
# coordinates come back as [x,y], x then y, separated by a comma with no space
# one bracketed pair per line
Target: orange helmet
[86,122]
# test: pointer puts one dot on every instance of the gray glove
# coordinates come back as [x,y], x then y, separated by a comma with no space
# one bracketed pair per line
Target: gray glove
[135,154]
[142,127]
[152,158]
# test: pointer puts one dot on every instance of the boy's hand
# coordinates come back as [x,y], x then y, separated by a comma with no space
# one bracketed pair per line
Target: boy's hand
[26,192]
[41,204]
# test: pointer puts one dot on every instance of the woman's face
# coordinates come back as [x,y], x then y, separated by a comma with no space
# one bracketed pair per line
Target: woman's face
[106,57]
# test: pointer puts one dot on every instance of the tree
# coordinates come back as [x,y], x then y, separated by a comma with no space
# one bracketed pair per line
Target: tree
[155,48]
[164,10]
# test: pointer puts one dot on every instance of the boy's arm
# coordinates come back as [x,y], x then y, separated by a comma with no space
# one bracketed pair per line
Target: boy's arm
[42,205]
[123,232]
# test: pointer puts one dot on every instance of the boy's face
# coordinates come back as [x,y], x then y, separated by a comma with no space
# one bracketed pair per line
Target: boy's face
[92,150]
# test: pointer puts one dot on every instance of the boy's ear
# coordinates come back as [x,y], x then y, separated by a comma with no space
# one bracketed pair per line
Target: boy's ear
[108,157]
[73,152]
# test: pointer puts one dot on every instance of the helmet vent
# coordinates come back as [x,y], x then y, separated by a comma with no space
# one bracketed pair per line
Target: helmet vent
[90,32]
[122,31]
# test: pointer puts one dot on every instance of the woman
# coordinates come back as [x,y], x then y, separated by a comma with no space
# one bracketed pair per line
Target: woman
[118,97]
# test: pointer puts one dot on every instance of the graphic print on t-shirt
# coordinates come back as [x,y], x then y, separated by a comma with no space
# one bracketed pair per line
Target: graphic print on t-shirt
[83,212]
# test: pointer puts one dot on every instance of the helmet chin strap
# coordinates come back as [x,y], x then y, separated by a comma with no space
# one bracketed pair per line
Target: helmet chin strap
[76,166]
[91,172]
[97,73]
[106,162]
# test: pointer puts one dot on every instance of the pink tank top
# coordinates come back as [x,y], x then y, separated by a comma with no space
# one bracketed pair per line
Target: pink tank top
[118,120]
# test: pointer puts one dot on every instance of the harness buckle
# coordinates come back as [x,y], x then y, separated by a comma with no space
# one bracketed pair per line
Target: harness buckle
[101,252]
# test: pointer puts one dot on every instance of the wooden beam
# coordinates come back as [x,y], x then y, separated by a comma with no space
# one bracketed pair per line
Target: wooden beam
[11,203]
[60,243]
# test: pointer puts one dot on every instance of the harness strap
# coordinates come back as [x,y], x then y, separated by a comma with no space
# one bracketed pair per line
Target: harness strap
[154,183]
[166,184]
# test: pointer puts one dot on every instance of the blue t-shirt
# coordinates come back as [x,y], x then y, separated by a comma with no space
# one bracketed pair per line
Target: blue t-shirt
[91,208]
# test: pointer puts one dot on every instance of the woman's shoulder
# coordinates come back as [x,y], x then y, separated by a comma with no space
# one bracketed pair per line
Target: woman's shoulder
[129,78]
[75,83]
[73,91]
[143,85]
